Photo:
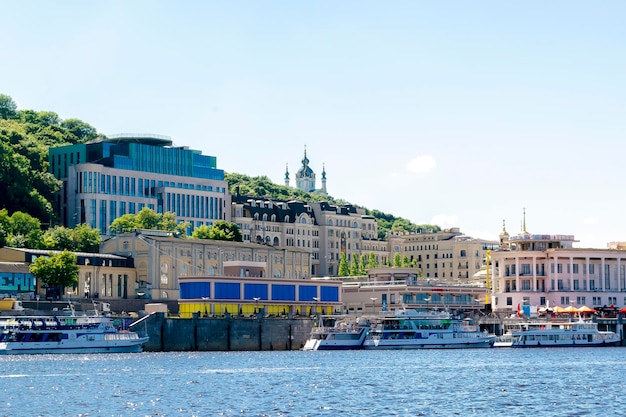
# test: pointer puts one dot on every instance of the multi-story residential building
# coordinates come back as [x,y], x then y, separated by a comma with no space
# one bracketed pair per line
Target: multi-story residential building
[342,229]
[447,255]
[546,270]
[161,259]
[322,229]
[109,177]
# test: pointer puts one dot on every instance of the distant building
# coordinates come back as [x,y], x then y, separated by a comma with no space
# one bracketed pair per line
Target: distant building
[305,177]
[109,177]
[448,255]
[246,296]
[162,259]
[546,270]
[322,229]
[99,276]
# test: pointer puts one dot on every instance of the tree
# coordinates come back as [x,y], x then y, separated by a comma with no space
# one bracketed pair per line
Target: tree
[86,238]
[149,219]
[202,232]
[59,238]
[8,108]
[354,265]
[125,223]
[372,262]
[57,270]
[25,231]
[83,238]
[343,266]
[397,261]
[362,265]
[223,230]
[79,129]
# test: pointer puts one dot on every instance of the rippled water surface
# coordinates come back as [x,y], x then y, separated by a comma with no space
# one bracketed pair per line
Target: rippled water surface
[482,382]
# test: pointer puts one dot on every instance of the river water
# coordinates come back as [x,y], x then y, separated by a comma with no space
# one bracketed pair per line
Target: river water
[481,382]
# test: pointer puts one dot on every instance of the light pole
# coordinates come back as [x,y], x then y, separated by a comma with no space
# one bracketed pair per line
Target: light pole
[256,300]
[316,300]
[373,304]
[206,313]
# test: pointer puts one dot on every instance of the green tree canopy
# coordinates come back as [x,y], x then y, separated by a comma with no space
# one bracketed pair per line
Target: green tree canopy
[8,108]
[83,238]
[344,270]
[149,219]
[220,230]
[24,231]
[371,261]
[354,265]
[57,270]
[25,139]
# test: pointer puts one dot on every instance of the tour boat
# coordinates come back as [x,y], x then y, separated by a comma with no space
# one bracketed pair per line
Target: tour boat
[65,334]
[563,334]
[411,329]
[338,333]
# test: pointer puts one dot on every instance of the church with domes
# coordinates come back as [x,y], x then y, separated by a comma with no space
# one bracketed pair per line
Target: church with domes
[305,177]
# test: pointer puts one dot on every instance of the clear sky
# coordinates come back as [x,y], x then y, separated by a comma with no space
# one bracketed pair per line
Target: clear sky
[458,113]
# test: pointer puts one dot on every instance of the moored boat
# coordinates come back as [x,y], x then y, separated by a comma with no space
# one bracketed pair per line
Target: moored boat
[338,333]
[65,334]
[411,329]
[563,334]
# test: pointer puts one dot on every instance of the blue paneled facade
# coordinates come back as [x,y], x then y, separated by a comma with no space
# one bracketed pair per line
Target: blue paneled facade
[248,295]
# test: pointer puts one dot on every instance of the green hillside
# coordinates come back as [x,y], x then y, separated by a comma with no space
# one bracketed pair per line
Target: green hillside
[26,185]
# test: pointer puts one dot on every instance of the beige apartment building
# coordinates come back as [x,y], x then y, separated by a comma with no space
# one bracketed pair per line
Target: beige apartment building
[322,229]
[446,256]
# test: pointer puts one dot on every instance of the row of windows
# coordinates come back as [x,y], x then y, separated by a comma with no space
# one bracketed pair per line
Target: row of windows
[96,182]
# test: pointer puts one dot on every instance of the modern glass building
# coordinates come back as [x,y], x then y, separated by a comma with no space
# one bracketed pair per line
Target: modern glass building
[109,177]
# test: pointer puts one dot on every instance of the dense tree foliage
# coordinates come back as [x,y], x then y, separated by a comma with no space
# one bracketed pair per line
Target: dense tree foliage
[220,230]
[83,238]
[25,138]
[149,219]
[57,270]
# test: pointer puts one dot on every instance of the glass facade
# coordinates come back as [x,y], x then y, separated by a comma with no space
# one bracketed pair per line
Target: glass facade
[117,180]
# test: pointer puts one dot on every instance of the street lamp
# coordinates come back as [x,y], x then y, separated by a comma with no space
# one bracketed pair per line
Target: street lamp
[256,300]
[316,300]
[206,313]
[373,303]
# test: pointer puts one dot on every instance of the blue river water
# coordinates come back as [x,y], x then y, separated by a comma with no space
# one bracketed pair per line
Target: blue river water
[481,382]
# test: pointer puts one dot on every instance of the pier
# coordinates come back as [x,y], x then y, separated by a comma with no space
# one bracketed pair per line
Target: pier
[229,333]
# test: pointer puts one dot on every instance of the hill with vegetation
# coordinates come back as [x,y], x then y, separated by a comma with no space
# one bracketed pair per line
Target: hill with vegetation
[27,186]
[263,187]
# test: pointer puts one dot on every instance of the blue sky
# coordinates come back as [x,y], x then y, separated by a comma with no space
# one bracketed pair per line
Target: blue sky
[454,113]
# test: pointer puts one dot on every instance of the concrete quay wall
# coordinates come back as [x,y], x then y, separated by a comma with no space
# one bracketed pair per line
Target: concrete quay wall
[168,334]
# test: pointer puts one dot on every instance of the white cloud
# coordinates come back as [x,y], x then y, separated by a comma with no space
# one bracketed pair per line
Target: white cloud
[590,220]
[481,234]
[422,163]
[445,221]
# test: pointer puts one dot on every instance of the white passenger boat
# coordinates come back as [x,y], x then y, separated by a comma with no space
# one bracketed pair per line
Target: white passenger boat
[338,333]
[504,340]
[411,329]
[563,334]
[65,334]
